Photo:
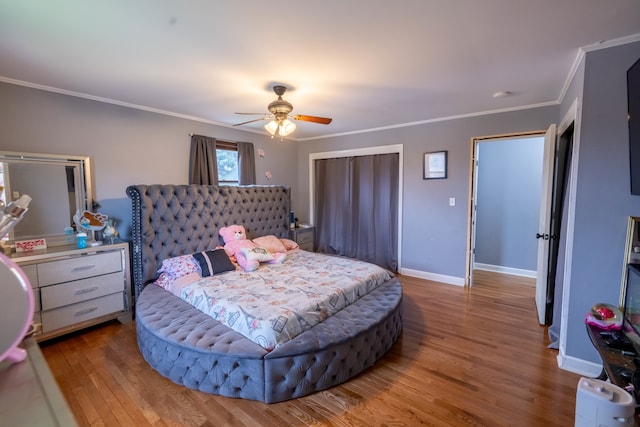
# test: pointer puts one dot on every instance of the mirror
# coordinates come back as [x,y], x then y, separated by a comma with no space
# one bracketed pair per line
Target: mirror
[59,185]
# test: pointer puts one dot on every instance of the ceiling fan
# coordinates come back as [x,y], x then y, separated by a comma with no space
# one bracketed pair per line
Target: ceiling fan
[279,114]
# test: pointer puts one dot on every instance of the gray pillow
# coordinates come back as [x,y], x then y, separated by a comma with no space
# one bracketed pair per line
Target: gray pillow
[213,262]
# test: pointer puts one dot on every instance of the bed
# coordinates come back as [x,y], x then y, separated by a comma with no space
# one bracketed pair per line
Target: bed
[191,348]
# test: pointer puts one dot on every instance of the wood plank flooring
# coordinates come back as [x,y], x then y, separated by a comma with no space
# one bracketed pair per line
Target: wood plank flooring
[466,357]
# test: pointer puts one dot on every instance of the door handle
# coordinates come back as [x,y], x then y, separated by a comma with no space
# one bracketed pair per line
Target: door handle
[542,236]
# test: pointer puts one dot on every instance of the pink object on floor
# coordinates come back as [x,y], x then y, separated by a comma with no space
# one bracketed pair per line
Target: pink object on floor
[16,306]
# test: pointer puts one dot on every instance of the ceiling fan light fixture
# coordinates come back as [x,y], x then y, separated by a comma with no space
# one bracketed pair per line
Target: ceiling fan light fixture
[287,127]
[281,129]
[271,127]
[279,110]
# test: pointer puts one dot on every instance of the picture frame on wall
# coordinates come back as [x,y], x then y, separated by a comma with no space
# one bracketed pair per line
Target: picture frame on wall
[435,165]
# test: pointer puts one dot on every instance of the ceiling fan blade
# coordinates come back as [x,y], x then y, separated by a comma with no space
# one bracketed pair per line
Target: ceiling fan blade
[251,121]
[314,119]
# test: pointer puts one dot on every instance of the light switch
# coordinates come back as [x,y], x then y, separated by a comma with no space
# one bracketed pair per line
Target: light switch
[452,201]
[15,194]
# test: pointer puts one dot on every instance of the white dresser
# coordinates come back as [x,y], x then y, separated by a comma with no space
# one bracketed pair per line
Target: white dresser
[76,288]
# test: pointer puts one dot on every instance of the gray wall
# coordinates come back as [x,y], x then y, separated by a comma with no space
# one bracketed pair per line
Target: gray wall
[603,199]
[434,237]
[127,146]
[508,202]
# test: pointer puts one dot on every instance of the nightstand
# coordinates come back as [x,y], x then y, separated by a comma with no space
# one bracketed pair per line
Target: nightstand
[304,237]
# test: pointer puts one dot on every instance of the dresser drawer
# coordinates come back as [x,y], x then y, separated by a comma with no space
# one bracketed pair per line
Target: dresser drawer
[31,271]
[304,237]
[80,267]
[79,290]
[82,311]
[306,246]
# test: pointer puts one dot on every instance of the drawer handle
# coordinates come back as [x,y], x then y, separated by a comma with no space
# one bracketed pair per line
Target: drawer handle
[85,290]
[84,267]
[86,311]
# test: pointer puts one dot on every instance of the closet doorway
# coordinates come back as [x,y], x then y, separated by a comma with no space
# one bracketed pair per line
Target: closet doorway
[356,203]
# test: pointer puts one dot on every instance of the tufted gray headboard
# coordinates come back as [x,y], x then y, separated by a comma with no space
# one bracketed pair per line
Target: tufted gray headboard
[172,220]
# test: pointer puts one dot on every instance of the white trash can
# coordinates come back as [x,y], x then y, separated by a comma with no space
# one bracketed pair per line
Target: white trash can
[602,404]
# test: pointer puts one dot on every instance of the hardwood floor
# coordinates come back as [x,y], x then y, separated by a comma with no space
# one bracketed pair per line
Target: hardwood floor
[472,357]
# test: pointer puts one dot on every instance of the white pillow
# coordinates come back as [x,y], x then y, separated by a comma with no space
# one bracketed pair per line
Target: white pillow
[258,254]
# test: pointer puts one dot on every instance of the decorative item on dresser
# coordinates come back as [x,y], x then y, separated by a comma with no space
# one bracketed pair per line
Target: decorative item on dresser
[76,288]
[304,237]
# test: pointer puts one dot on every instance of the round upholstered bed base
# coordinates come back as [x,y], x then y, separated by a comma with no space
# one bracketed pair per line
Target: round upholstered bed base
[192,349]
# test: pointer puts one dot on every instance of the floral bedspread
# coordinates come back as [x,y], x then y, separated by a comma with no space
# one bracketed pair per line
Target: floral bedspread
[277,302]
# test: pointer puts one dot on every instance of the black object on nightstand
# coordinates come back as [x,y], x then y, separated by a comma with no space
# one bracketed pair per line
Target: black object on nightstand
[618,341]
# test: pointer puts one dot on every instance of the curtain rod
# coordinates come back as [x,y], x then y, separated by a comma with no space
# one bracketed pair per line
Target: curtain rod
[221,140]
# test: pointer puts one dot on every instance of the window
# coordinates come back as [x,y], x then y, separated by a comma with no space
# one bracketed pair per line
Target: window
[227,159]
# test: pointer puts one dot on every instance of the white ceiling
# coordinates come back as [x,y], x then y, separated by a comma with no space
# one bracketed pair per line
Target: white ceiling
[367,64]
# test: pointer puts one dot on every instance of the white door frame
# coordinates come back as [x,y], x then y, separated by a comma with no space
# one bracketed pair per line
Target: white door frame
[473,192]
[573,116]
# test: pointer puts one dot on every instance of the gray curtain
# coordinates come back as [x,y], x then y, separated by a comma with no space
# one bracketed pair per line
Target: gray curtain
[356,208]
[203,165]
[246,164]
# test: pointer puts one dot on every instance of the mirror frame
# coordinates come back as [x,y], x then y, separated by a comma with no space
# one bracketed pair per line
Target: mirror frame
[85,196]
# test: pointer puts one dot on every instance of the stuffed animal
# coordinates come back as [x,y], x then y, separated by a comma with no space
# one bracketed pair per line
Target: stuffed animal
[248,255]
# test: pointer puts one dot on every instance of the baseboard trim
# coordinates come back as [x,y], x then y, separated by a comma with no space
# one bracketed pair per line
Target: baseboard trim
[506,270]
[450,280]
[579,366]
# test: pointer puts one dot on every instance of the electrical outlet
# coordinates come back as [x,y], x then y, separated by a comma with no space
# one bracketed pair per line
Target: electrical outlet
[452,201]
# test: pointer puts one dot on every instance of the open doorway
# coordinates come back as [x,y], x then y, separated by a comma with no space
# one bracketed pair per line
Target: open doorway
[507,187]
[534,229]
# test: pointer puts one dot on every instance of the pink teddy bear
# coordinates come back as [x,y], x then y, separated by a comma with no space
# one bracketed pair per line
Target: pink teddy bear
[248,255]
